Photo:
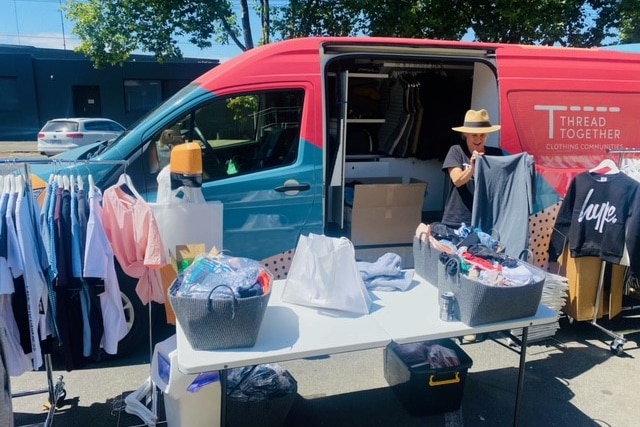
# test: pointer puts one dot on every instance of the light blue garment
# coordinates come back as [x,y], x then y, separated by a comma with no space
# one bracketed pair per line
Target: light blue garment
[389,264]
[400,282]
[33,208]
[53,271]
[503,201]
[4,200]
[44,227]
[50,248]
[76,238]
[76,269]
[385,274]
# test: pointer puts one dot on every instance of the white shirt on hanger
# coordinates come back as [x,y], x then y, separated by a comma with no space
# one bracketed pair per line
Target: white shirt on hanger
[13,255]
[99,262]
[34,279]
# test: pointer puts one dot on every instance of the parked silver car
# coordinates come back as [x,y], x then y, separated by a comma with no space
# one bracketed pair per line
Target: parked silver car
[60,135]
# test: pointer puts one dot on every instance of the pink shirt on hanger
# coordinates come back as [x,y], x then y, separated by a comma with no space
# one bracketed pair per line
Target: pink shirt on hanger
[133,232]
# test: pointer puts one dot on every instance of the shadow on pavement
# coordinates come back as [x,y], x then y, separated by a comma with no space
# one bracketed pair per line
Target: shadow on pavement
[72,414]
[377,407]
[554,391]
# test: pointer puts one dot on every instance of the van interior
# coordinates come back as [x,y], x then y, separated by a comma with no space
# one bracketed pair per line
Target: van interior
[389,119]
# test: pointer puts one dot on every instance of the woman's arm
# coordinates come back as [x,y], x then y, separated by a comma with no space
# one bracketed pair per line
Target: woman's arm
[460,176]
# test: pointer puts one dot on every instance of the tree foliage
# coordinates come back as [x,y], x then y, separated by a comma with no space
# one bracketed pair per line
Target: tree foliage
[110,30]
[303,18]
[630,22]
[546,22]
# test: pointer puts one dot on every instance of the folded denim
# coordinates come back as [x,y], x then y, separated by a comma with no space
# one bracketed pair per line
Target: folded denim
[478,236]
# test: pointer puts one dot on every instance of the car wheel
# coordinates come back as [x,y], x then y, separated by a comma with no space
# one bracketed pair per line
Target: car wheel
[141,335]
[137,317]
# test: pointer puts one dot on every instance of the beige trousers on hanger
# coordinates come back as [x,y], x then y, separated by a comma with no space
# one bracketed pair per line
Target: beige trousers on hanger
[583,275]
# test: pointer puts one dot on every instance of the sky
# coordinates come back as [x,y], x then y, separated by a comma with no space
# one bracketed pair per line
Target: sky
[40,23]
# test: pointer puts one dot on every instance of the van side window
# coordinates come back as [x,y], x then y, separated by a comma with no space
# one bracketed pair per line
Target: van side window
[240,134]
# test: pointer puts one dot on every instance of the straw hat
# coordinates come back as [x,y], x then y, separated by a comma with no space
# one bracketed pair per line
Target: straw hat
[477,121]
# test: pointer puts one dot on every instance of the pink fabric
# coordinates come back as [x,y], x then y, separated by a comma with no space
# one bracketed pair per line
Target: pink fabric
[133,233]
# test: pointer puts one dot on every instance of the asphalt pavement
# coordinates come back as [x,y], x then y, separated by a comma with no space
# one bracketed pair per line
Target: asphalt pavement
[19,150]
[572,379]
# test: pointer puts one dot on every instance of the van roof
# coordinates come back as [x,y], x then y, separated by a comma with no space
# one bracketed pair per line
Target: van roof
[299,59]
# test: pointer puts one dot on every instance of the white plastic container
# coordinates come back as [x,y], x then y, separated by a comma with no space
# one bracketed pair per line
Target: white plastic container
[190,400]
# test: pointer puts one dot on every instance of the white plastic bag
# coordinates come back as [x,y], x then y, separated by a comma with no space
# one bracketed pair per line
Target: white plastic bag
[183,194]
[184,218]
[188,224]
[324,273]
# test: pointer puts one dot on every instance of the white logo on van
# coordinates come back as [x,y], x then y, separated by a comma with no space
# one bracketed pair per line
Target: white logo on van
[580,122]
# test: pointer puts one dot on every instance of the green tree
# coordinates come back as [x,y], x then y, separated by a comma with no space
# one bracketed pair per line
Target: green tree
[546,22]
[302,18]
[630,21]
[438,19]
[110,30]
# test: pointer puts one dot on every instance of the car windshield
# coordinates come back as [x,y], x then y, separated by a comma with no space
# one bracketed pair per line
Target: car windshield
[60,126]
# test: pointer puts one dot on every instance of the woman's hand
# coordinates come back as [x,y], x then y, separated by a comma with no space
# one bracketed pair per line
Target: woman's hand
[474,157]
[460,176]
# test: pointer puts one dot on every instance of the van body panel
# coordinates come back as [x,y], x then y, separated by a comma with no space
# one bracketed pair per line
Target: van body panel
[262,219]
[568,108]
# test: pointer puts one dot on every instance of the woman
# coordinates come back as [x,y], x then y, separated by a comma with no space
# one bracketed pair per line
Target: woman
[460,163]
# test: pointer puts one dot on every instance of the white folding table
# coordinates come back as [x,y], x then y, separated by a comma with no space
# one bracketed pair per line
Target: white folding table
[291,331]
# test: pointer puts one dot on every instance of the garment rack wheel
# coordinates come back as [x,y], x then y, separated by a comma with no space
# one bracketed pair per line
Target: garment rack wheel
[617,345]
[59,393]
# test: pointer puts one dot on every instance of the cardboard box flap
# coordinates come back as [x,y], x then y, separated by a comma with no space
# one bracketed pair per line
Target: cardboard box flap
[385,195]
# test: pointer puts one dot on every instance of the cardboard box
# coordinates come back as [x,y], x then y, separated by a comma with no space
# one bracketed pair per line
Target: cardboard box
[385,213]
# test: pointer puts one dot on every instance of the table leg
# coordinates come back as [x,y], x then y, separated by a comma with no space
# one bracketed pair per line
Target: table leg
[521,370]
[223,397]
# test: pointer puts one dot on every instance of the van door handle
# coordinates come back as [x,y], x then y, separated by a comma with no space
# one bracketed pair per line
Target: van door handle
[291,187]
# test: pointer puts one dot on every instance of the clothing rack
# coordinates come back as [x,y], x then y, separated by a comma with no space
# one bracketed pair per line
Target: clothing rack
[56,392]
[617,345]
[622,152]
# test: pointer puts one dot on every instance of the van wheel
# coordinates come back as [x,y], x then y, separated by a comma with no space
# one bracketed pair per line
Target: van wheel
[137,317]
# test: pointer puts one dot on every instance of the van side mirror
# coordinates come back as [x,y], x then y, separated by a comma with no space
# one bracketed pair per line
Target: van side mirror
[186,165]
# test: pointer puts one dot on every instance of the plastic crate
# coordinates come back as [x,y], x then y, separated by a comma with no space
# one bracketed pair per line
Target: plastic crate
[268,411]
[424,390]
[262,413]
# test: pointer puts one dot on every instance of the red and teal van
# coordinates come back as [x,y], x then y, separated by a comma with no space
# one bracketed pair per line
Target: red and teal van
[284,128]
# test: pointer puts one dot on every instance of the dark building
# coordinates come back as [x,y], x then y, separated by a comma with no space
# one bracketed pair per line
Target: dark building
[38,84]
